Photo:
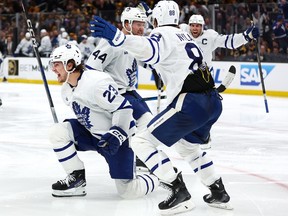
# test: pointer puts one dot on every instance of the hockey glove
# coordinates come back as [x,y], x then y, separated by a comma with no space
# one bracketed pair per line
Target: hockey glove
[144,7]
[112,140]
[252,33]
[103,29]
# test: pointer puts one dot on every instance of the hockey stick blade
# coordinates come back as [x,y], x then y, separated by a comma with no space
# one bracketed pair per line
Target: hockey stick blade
[228,79]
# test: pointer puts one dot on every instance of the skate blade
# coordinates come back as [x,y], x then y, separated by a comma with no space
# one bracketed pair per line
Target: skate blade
[69,193]
[225,206]
[180,208]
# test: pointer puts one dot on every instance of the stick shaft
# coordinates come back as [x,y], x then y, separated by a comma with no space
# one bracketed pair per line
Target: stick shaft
[260,69]
[262,80]
[159,91]
[154,98]
[35,47]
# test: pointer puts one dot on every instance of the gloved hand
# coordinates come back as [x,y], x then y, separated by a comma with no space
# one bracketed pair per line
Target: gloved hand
[112,140]
[144,7]
[252,33]
[103,29]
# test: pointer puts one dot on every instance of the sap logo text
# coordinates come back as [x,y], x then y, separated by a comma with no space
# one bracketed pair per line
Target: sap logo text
[250,74]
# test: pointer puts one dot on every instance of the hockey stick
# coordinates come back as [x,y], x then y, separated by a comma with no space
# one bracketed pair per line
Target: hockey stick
[153,98]
[159,86]
[259,63]
[159,92]
[228,79]
[34,43]
[261,78]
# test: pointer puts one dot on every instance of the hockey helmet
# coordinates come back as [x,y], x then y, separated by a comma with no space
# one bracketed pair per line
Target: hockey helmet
[65,53]
[198,19]
[133,14]
[166,13]
[27,35]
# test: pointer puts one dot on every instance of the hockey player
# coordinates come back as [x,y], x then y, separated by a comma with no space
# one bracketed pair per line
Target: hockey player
[86,47]
[104,124]
[45,47]
[194,105]
[208,40]
[123,67]
[25,47]
[64,39]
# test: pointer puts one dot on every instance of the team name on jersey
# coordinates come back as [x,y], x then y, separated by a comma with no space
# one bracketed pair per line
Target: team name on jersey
[184,37]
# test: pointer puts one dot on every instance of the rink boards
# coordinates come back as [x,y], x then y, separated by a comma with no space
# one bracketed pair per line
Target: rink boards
[247,79]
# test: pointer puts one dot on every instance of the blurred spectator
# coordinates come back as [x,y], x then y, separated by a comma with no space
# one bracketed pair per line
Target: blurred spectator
[283,6]
[54,39]
[259,20]
[9,47]
[2,41]
[33,7]
[1,69]
[251,52]
[45,47]
[280,33]
[73,39]
[263,53]
[25,47]
[276,56]
[73,15]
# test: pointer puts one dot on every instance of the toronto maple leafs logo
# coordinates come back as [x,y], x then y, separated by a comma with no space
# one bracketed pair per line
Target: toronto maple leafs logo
[83,115]
[132,73]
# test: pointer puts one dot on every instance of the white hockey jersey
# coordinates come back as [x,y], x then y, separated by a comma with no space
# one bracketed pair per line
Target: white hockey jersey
[171,51]
[45,47]
[211,40]
[97,103]
[119,63]
[86,50]
[25,47]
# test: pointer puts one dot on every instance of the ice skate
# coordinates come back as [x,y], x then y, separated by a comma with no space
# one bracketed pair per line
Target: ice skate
[179,199]
[73,185]
[218,198]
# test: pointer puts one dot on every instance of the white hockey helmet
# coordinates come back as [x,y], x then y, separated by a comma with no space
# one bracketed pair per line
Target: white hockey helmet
[64,35]
[65,53]
[133,14]
[27,35]
[166,13]
[198,19]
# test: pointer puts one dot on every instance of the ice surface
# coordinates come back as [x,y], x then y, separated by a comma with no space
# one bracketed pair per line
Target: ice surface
[249,149]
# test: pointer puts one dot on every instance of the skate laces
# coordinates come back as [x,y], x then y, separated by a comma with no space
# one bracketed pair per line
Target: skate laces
[169,188]
[68,180]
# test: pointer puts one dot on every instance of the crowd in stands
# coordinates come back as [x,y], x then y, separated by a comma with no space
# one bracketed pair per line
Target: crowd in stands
[57,21]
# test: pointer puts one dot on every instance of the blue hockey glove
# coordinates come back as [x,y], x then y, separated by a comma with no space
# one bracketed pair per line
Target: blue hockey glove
[112,140]
[144,7]
[252,33]
[103,29]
